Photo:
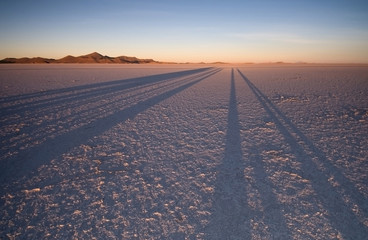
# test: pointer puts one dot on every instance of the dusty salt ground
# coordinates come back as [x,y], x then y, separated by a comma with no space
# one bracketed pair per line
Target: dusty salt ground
[183,152]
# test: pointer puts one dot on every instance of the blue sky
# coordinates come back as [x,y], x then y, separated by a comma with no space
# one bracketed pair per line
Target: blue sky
[230,31]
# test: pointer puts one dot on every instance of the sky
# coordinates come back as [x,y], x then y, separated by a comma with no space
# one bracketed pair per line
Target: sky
[321,31]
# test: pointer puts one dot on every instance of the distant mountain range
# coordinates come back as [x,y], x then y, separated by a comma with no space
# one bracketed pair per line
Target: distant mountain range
[89,58]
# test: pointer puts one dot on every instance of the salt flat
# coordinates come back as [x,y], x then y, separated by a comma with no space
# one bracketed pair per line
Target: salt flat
[183,152]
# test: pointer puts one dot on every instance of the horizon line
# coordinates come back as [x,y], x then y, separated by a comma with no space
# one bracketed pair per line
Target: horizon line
[175,62]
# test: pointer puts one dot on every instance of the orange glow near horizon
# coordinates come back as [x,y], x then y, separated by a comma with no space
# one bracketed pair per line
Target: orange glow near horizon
[190,31]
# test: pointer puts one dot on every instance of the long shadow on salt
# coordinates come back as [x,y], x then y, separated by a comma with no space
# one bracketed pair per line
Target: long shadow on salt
[28,159]
[87,104]
[79,111]
[52,95]
[232,217]
[337,200]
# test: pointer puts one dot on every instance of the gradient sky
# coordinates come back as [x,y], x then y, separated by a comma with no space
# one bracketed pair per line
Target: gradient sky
[202,30]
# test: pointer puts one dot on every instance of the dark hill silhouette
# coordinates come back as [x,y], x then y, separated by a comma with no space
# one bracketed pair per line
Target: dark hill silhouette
[89,58]
[27,60]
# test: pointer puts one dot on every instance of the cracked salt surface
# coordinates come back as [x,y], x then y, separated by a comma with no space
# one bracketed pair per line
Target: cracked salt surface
[183,152]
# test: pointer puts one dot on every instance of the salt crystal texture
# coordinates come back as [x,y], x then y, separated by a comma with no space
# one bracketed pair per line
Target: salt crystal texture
[183,152]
